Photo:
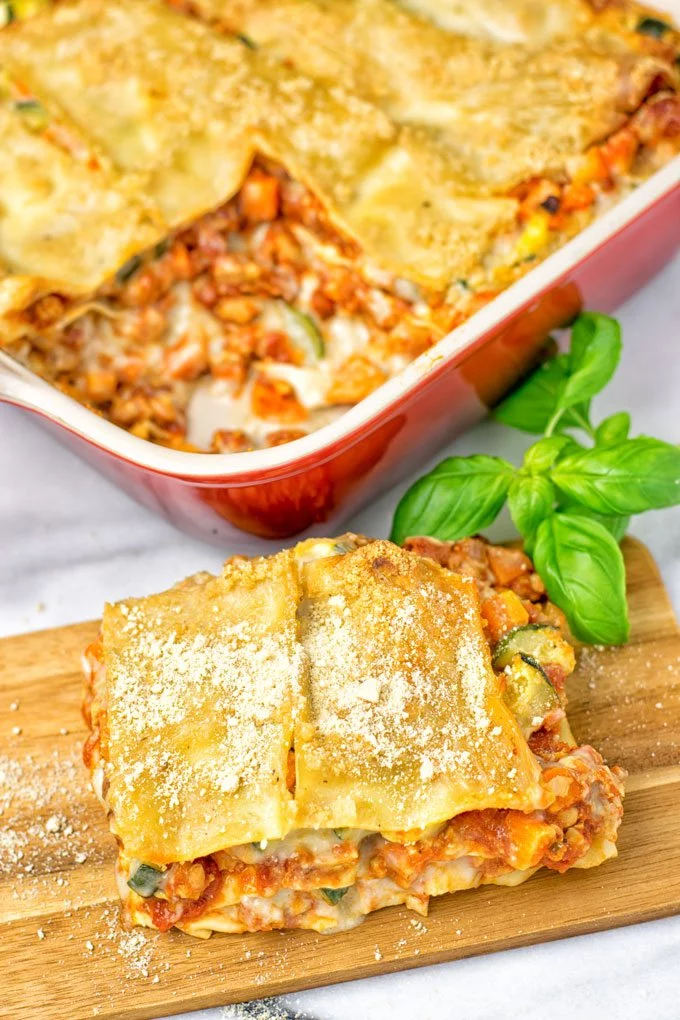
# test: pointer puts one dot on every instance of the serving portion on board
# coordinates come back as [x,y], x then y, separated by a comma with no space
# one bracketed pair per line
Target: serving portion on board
[223,240]
[59,907]
[340,727]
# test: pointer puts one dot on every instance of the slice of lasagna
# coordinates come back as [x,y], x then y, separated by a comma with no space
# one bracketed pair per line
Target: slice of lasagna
[222,240]
[337,728]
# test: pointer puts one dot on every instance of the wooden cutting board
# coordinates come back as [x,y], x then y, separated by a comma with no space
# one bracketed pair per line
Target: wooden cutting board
[63,954]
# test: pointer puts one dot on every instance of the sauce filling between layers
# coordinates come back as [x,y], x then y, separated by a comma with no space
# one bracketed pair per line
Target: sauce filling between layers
[260,323]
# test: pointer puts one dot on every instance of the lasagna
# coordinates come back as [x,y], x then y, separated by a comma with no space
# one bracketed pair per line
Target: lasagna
[340,727]
[226,221]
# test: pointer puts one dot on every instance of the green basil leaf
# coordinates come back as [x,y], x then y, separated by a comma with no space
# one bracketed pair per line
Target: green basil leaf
[582,568]
[531,406]
[593,357]
[542,455]
[621,479]
[616,526]
[530,500]
[458,498]
[613,429]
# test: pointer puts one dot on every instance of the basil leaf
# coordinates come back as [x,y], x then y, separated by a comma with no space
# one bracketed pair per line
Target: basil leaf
[616,526]
[593,357]
[613,429]
[532,405]
[542,455]
[582,568]
[530,500]
[624,478]
[458,498]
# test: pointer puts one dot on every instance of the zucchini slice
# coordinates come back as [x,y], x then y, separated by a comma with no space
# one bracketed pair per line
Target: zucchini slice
[305,334]
[145,880]
[333,896]
[541,641]
[528,693]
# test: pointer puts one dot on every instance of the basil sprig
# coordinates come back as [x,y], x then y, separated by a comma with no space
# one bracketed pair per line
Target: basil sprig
[460,496]
[571,502]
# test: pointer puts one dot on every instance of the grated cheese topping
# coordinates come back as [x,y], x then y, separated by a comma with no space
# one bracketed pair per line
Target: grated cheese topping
[403,697]
[372,665]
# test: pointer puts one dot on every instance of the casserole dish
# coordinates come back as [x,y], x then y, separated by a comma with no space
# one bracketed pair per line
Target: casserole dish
[317,482]
[218,233]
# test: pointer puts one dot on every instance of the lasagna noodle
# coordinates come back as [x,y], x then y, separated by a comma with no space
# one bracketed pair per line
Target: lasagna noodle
[52,203]
[532,22]
[501,111]
[405,724]
[185,114]
[202,686]
[373,665]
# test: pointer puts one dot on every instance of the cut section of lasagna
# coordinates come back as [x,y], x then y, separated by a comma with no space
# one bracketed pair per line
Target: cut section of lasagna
[223,239]
[340,727]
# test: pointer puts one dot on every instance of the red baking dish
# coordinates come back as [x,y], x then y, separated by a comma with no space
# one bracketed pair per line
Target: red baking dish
[315,483]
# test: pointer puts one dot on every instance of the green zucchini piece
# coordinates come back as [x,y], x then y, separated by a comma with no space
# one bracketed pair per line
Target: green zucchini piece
[305,334]
[333,896]
[345,545]
[7,13]
[33,114]
[145,879]
[654,27]
[161,248]
[128,269]
[541,641]
[529,693]
[246,40]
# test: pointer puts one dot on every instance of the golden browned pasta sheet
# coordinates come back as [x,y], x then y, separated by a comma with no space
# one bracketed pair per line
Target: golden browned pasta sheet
[505,103]
[532,22]
[405,725]
[202,685]
[63,217]
[408,125]
[373,666]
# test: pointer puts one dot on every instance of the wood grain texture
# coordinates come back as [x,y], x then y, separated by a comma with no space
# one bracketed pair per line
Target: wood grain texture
[63,953]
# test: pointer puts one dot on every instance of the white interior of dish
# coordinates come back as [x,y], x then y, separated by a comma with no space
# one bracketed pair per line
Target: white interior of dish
[27,390]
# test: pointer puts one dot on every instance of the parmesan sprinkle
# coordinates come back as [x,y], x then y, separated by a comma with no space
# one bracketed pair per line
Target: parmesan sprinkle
[373,666]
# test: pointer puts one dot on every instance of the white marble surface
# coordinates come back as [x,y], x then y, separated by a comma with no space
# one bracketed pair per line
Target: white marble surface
[69,540]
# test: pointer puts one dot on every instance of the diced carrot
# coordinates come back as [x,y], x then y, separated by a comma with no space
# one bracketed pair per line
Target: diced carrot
[619,151]
[356,378]
[101,384]
[275,345]
[179,259]
[540,190]
[187,359]
[240,310]
[502,612]
[230,441]
[276,398]
[282,436]
[259,198]
[577,196]
[507,564]
[528,839]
